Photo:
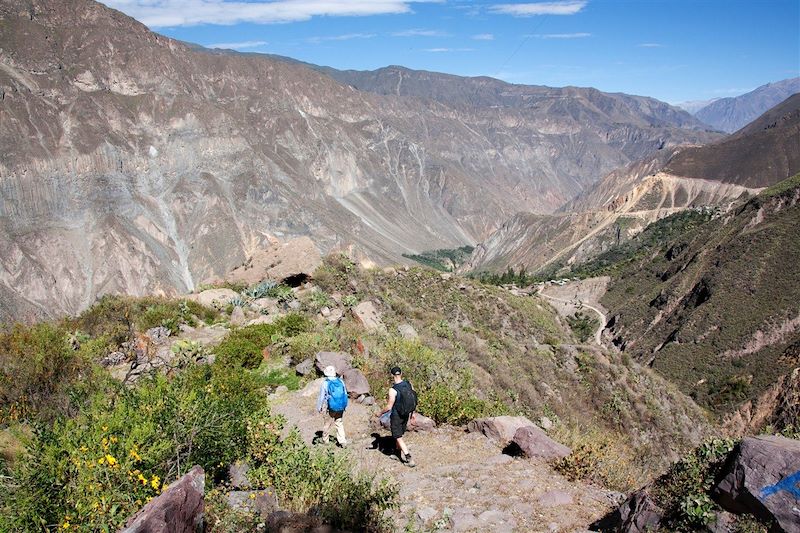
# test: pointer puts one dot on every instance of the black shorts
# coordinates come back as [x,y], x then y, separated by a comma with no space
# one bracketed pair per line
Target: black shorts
[397,424]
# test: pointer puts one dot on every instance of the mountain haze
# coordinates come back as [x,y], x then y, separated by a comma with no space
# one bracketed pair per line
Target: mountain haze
[146,165]
[731,114]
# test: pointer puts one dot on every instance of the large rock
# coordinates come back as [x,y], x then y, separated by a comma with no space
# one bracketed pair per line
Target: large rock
[356,382]
[368,316]
[533,442]
[419,422]
[290,262]
[341,361]
[407,331]
[305,367]
[179,509]
[215,298]
[637,514]
[237,316]
[763,479]
[500,429]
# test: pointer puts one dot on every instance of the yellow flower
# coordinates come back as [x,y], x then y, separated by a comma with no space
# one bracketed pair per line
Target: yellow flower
[113,440]
[135,456]
[65,525]
[101,461]
[155,482]
[111,460]
[84,449]
[104,428]
[142,479]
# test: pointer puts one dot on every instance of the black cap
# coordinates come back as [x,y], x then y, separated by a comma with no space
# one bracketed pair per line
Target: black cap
[396,371]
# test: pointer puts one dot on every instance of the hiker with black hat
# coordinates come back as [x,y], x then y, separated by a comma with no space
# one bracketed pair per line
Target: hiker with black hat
[401,405]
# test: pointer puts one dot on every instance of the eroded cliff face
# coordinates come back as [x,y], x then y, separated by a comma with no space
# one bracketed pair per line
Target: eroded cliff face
[134,163]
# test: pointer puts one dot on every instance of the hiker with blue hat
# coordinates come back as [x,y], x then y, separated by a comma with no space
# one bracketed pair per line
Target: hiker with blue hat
[333,397]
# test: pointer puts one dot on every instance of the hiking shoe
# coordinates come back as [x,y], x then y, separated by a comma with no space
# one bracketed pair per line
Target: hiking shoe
[408,461]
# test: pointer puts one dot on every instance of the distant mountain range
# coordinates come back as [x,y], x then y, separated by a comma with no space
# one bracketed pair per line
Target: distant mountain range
[626,200]
[145,165]
[732,114]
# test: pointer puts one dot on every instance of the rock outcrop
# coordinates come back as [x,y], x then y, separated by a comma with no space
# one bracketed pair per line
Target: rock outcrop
[500,429]
[533,442]
[763,479]
[179,509]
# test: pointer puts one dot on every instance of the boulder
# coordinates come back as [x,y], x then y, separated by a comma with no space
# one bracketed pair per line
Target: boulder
[237,316]
[261,502]
[420,422]
[341,361]
[533,442]
[179,509]
[215,298]
[368,316]
[407,331]
[762,478]
[312,389]
[355,382]
[637,514]
[500,429]
[545,423]
[113,359]
[304,368]
[290,262]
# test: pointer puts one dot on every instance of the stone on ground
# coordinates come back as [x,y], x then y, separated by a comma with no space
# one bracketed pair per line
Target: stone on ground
[341,361]
[763,479]
[369,317]
[500,429]
[179,509]
[356,382]
[533,442]
[215,298]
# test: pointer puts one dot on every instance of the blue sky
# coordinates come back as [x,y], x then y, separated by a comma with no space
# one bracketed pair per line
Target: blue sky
[674,50]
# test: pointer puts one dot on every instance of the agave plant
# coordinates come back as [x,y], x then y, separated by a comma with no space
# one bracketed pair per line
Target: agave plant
[260,290]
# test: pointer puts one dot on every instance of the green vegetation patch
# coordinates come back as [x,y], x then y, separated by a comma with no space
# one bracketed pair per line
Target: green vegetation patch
[445,260]
[245,346]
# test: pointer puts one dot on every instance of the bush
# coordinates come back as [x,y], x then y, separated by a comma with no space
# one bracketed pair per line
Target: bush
[38,368]
[307,478]
[683,492]
[583,326]
[244,346]
[93,471]
[442,380]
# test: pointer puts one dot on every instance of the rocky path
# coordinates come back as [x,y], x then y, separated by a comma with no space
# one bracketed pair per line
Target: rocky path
[463,481]
[576,295]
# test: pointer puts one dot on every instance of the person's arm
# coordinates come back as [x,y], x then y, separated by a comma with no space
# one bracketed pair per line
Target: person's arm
[323,395]
[390,403]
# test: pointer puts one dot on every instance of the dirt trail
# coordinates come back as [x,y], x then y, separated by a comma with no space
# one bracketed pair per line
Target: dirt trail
[576,295]
[463,481]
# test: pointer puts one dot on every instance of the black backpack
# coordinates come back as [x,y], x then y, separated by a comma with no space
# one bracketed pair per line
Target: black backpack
[406,401]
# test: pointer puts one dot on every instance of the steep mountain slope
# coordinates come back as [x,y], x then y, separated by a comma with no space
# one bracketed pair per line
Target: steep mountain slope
[626,200]
[715,308]
[761,154]
[145,165]
[731,114]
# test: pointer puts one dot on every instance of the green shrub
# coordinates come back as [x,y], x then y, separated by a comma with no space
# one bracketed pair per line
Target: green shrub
[38,366]
[307,478]
[245,346]
[442,380]
[583,326]
[96,469]
[683,492]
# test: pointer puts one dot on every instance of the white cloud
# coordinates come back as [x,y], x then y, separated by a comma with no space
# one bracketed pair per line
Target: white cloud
[483,37]
[166,13]
[237,46]
[566,7]
[443,50]
[562,35]
[650,45]
[420,33]
[345,37]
